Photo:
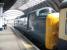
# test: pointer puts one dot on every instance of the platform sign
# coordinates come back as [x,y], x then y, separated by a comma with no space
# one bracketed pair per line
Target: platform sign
[1,15]
[1,9]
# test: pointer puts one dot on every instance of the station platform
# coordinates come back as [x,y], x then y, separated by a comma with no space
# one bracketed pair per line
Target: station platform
[10,40]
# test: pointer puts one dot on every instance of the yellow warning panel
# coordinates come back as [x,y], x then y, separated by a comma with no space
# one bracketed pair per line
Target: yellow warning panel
[52,29]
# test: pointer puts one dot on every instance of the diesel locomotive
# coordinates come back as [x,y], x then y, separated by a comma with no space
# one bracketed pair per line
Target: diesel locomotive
[40,27]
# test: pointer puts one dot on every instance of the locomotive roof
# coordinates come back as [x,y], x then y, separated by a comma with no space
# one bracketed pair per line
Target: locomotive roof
[40,9]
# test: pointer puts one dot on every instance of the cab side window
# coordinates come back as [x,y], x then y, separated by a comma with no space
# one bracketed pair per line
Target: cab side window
[43,12]
[53,11]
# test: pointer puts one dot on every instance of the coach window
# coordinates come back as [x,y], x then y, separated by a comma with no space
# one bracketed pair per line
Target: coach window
[66,24]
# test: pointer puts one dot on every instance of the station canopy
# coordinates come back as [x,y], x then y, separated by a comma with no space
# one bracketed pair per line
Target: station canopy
[36,4]
[30,3]
[12,14]
[7,4]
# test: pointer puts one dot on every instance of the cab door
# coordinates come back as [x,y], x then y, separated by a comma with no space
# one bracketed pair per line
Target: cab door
[62,43]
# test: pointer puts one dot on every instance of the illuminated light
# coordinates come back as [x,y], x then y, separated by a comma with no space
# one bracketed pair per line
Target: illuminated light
[31,3]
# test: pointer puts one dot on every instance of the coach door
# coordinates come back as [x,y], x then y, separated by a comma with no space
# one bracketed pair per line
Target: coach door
[63,24]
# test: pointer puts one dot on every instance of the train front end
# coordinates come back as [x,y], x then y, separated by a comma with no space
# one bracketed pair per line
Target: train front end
[52,29]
